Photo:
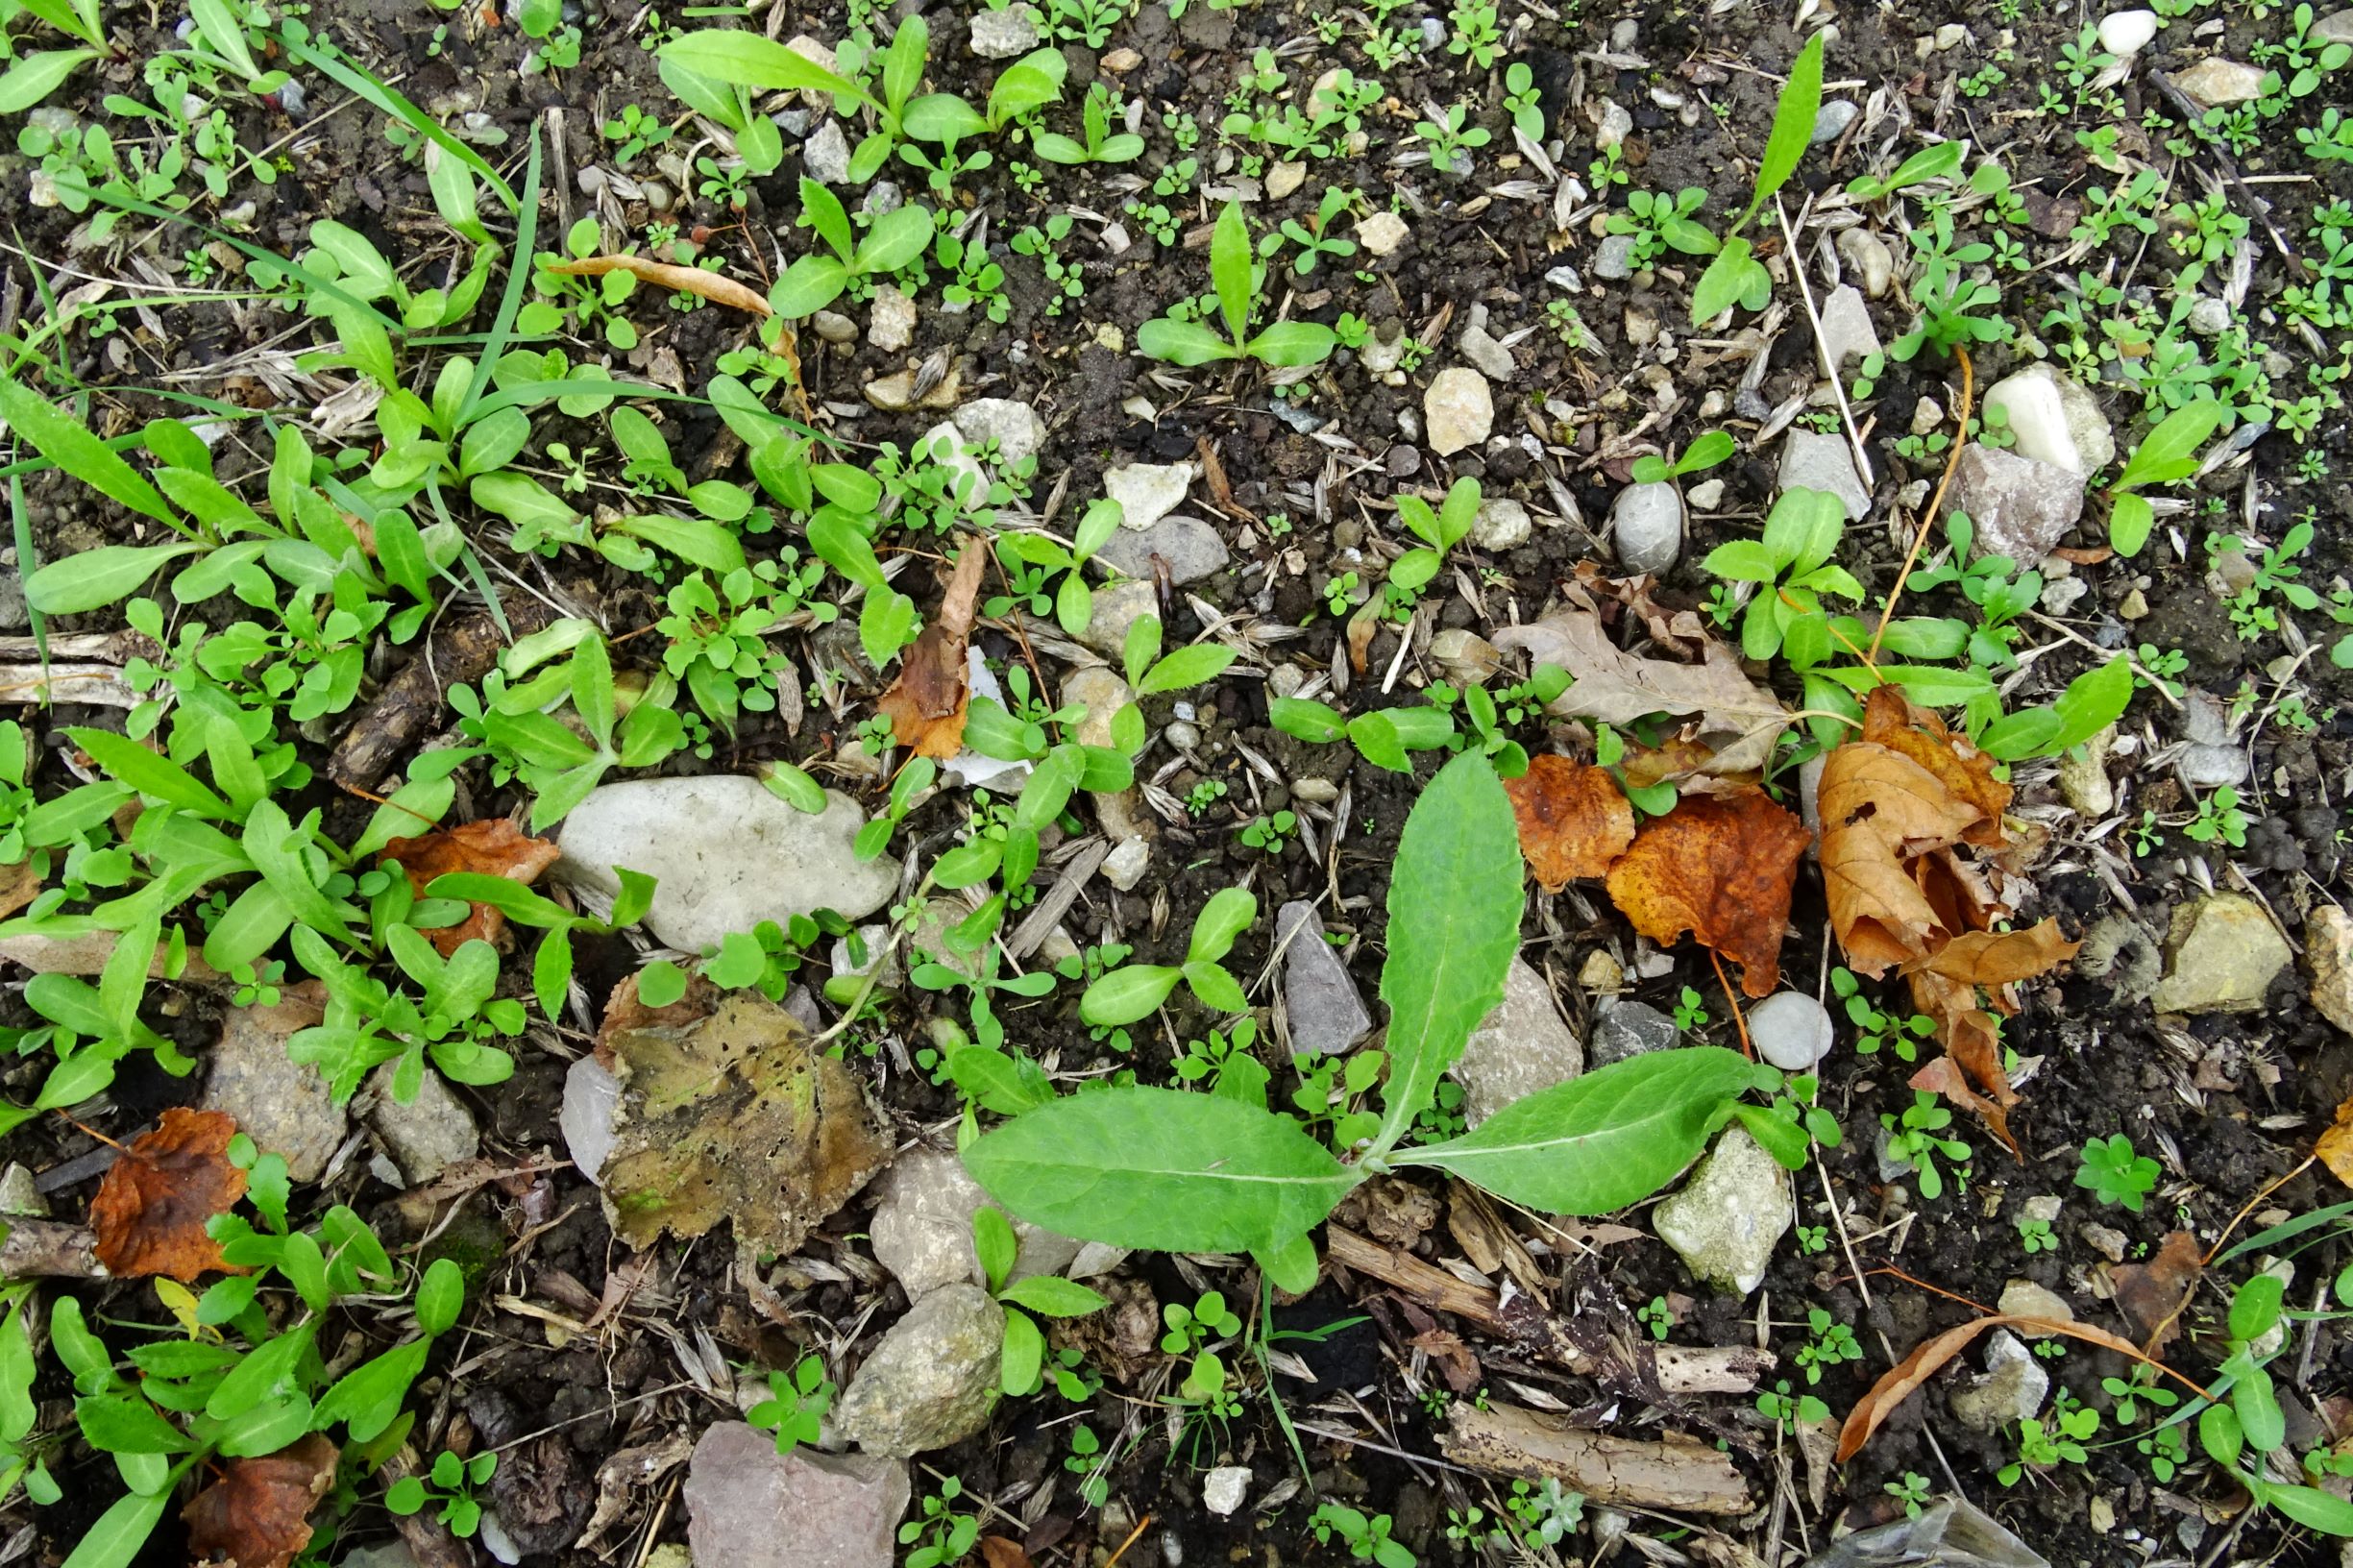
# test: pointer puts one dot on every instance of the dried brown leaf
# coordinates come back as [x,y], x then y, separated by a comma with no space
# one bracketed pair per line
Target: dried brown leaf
[1999,958]
[928,702]
[1574,821]
[2336,1146]
[1881,811]
[151,1210]
[1678,631]
[2152,1295]
[258,1515]
[1720,868]
[999,1552]
[492,847]
[710,286]
[19,885]
[1615,687]
[1890,719]
[1932,1355]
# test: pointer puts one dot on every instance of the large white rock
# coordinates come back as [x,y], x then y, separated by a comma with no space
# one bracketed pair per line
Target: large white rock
[1728,1217]
[727,855]
[2124,33]
[2054,421]
[1147,492]
[2216,82]
[1645,525]
[1458,408]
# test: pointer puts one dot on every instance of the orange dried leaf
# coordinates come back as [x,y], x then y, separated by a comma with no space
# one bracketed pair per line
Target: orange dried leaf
[1890,719]
[493,847]
[151,1210]
[2152,1295]
[2336,1146]
[999,1552]
[1574,820]
[710,286]
[1999,958]
[928,700]
[1720,868]
[1932,1355]
[1879,811]
[258,1515]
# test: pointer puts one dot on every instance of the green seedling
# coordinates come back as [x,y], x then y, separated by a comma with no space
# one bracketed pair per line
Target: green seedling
[815,282]
[1102,145]
[1235,276]
[2115,1174]
[1701,456]
[1735,277]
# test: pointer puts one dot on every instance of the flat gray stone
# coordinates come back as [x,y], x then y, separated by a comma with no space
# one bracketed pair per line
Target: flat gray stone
[1502,524]
[1522,1047]
[285,1106]
[825,156]
[1002,34]
[2216,82]
[1831,119]
[1791,1030]
[1728,1217]
[1192,549]
[1811,460]
[1012,423]
[1630,1029]
[1614,261]
[427,1134]
[727,855]
[1319,998]
[592,1095]
[1846,331]
[2021,509]
[932,1381]
[749,1507]
[922,1227]
[2013,1388]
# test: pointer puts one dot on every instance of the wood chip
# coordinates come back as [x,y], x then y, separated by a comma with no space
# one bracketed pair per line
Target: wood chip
[1677,1474]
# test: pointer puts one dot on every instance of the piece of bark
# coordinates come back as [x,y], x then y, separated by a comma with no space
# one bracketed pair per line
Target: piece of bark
[460,652]
[1683,1369]
[1675,1474]
[47,1249]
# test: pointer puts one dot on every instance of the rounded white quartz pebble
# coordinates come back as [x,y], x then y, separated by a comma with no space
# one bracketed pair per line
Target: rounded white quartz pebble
[1791,1031]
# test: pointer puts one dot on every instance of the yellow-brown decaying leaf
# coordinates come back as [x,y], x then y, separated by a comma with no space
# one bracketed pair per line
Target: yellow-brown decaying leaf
[19,885]
[2336,1146]
[1999,958]
[1890,719]
[494,846]
[928,700]
[1574,821]
[258,1515]
[710,286]
[1932,1355]
[1720,868]
[152,1207]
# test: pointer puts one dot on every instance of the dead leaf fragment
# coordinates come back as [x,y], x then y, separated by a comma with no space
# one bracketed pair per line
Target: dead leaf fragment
[1574,821]
[152,1208]
[258,1515]
[928,700]
[1615,687]
[736,1117]
[1719,867]
[492,847]
[2336,1146]
[2152,1295]
[19,885]
[710,286]
[1932,1355]
[999,1552]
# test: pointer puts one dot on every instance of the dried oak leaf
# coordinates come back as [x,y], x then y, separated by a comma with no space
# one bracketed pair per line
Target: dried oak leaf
[1680,632]
[667,275]
[2152,1295]
[258,1515]
[928,700]
[1880,812]
[1615,687]
[1932,1355]
[1720,868]
[493,847]
[1574,820]
[151,1210]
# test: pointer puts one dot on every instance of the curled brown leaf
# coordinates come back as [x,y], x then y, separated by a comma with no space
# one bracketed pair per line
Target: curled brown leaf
[258,1513]
[2152,1295]
[928,700]
[1574,821]
[493,847]
[152,1207]
[1720,868]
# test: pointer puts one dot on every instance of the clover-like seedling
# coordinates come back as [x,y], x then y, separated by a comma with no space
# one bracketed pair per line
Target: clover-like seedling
[2115,1174]
[1133,991]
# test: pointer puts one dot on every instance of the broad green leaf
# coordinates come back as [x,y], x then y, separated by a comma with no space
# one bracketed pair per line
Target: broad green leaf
[748,60]
[1288,343]
[896,238]
[1127,993]
[1053,1297]
[1741,560]
[1307,719]
[1231,270]
[795,788]
[994,1244]
[1190,665]
[944,117]
[1728,281]
[1793,125]
[2028,732]
[2312,1507]
[2170,451]
[2129,523]
[1454,901]
[121,1533]
[127,762]
[1229,913]
[68,443]
[127,1424]
[1803,528]
[694,540]
[95,579]
[1186,343]
[809,285]
[1022,1357]
[1030,83]
[35,76]
[1602,1141]
[1927,684]
[1291,1266]
[1159,1169]
[2091,701]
